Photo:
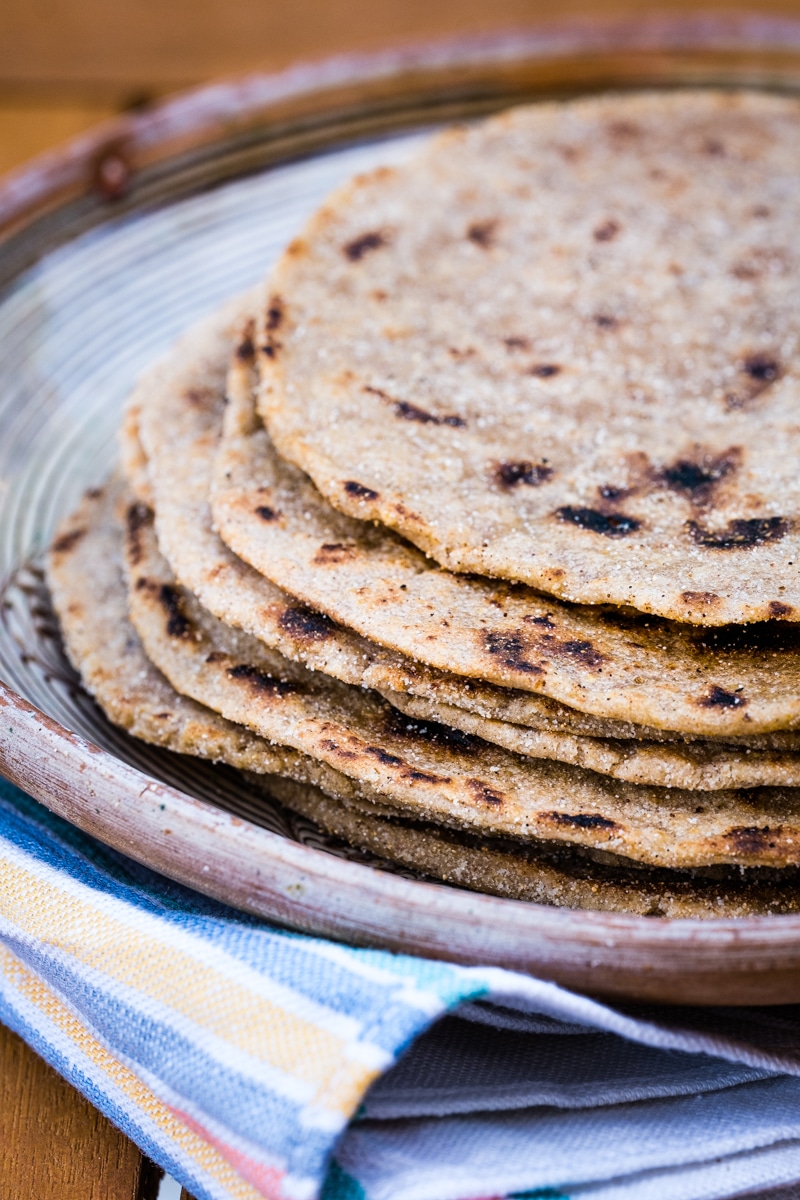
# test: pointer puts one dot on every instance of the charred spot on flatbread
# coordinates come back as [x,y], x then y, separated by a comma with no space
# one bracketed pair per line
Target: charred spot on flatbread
[741,533]
[365,244]
[610,525]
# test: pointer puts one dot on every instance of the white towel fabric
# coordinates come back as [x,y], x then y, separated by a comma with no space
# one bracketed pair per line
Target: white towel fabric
[602,1104]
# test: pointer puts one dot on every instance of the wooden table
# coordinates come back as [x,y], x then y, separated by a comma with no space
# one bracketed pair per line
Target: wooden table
[54,1145]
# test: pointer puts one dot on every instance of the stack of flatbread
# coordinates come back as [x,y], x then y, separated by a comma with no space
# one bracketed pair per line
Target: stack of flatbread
[477,530]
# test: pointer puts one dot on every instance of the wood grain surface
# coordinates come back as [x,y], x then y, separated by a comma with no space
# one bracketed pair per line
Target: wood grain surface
[54,1145]
[65,64]
[111,46]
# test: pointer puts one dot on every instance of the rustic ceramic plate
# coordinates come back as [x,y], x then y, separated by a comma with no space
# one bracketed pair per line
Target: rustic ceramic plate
[108,249]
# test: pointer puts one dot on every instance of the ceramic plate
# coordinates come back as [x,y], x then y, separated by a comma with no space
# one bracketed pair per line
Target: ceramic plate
[109,249]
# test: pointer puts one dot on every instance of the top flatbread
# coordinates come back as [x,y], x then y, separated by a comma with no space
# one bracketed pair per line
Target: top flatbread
[718,683]
[562,347]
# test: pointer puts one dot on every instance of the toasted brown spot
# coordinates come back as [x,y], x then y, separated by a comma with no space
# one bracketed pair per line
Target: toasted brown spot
[510,650]
[511,474]
[698,478]
[607,524]
[606,231]
[760,371]
[216,656]
[297,247]
[578,649]
[246,349]
[383,756]
[412,412]
[261,682]
[360,246]
[605,321]
[717,697]
[544,370]
[739,534]
[275,313]
[484,793]
[399,725]
[199,397]
[752,839]
[778,609]
[516,343]
[713,147]
[94,493]
[763,368]
[580,820]
[700,599]
[178,624]
[757,638]
[482,233]
[408,513]
[609,492]
[137,518]
[306,625]
[332,553]
[360,491]
[623,129]
[266,512]
[544,620]
[414,775]
[334,748]
[68,541]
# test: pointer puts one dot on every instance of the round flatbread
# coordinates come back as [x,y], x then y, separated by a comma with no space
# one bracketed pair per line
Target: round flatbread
[177,411]
[719,683]
[104,647]
[429,770]
[561,347]
[84,575]
[521,873]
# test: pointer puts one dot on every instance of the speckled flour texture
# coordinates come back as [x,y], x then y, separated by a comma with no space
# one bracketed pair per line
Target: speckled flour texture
[177,410]
[431,771]
[184,413]
[105,649]
[85,577]
[704,682]
[561,347]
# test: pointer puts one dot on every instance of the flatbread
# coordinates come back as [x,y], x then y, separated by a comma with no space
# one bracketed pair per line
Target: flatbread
[177,411]
[84,575]
[519,873]
[132,458]
[180,429]
[104,647]
[649,672]
[561,347]
[430,771]
[701,766]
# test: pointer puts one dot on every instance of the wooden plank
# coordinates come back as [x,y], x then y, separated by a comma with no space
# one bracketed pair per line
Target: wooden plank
[27,129]
[151,44]
[55,1146]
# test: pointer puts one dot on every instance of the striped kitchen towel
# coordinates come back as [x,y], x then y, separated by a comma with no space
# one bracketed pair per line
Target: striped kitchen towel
[252,1062]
